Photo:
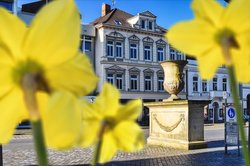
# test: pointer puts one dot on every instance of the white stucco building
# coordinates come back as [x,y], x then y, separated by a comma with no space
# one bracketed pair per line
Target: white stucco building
[128,52]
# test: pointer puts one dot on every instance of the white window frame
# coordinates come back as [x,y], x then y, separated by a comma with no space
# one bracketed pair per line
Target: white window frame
[133,51]
[108,47]
[119,81]
[151,26]
[204,86]
[160,82]
[145,24]
[195,83]
[86,39]
[147,52]
[148,82]
[224,84]
[215,84]
[118,47]
[110,78]
[172,53]
[160,54]
[178,55]
[134,82]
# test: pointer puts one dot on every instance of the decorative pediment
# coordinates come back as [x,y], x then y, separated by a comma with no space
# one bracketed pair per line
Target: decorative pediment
[134,70]
[147,14]
[115,35]
[148,71]
[115,69]
[148,40]
[161,42]
[160,72]
[134,37]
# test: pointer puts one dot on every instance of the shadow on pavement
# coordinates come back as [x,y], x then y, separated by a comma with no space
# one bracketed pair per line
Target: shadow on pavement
[196,159]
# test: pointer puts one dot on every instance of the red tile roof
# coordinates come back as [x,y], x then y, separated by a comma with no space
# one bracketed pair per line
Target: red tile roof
[114,15]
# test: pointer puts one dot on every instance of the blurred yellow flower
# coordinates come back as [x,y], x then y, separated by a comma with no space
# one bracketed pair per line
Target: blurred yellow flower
[212,27]
[47,52]
[120,131]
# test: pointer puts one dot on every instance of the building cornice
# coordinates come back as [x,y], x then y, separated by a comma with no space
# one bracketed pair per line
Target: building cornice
[131,30]
[156,65]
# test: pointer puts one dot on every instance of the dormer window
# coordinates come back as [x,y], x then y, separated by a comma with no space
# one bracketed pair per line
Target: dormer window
[150,25]
[143,24]
[117,22]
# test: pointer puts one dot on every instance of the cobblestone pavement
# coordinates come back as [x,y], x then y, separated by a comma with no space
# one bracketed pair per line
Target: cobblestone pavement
[20,152]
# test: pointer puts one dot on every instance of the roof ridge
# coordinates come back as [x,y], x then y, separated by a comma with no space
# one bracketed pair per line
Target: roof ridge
[111,14]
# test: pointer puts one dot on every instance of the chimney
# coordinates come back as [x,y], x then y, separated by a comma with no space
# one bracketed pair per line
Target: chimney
[105,9]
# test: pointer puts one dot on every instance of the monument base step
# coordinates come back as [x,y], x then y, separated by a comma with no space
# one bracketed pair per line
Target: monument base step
[177,144]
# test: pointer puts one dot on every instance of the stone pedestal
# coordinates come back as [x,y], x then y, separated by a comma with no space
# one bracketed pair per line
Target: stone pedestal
[177,124]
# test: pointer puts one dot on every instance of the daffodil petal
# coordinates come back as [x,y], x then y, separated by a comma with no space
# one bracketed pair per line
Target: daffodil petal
[12,31]
[91,125]
[241,63]
[54,34]
[108,147]
[130,111]
[238,13]
[109,93]
[209,63]
[129,135]
[12,112]
[6,81]
[62,121]
[76,76]
[191,37]
[210,10]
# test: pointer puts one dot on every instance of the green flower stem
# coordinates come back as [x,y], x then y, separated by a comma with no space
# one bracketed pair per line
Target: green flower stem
[97,151]
[238,108]
[29,86]
[39,143]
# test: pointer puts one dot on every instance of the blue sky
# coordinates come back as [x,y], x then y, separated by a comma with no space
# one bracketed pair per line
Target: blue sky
[168,12]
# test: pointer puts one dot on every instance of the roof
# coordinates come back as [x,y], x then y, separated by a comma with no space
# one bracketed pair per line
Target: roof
[9,1]
[114,15]
[122,17]
[33,7]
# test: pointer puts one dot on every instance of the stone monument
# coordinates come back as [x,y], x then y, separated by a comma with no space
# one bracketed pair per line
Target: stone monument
[175,122]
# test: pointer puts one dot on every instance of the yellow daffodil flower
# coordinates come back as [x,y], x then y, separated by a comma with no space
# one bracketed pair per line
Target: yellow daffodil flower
[213,25]
[48,52]
[117,122]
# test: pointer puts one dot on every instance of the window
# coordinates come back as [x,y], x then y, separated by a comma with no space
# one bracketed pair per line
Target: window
[214,84]
[160,83]
[116,79]
[110,78]
[133,51]
[195,84]
[110,48]
[119,81]
[87,43]
[224,84]
[118,49]
[160,54]
[204,86]
[179,55]
[133,82]
[148,83]
[143,24]
[150,25]
[147,53]
[172,53]
[117,22]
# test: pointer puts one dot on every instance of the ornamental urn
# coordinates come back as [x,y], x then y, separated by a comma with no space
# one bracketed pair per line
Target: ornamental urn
[173,77]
